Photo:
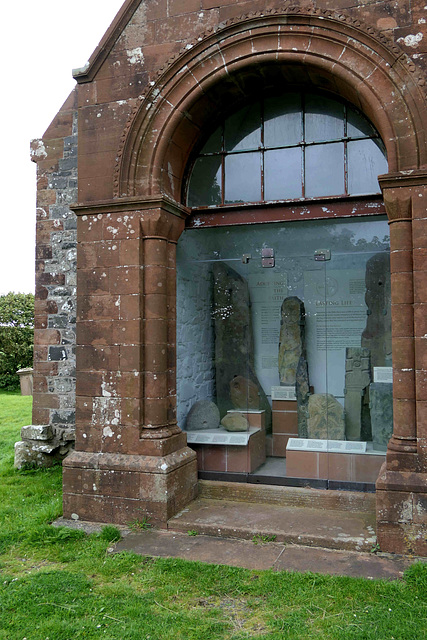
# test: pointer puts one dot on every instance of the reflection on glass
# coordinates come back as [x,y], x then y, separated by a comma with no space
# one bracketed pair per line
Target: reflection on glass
[324,170]
[283,174]
[324,119]
[357,125]
[366,162]
[205,182]
[282,120]
[230,325]
[243,129]
[336,149]
[214,143]
[243,178]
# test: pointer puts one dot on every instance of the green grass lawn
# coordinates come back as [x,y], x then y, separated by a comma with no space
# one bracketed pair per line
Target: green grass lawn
[60,584]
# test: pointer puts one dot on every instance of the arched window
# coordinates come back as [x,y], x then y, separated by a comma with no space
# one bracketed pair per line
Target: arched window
[292,147]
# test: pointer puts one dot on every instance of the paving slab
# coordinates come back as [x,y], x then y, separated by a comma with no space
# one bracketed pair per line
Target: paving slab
[326,528]
[271,555]
[342,563]
[209,549]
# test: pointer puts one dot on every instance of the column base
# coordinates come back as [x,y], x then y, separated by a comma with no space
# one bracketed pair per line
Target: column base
[121,489]
[402,512]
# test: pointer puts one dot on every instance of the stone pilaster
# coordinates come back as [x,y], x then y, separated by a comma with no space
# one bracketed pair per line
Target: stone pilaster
[131,460]
[402,484]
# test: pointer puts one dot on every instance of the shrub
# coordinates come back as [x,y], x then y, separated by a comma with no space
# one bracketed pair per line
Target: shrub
[16,336]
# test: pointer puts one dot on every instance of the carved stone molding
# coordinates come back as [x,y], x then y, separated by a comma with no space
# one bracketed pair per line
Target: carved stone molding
[351,34]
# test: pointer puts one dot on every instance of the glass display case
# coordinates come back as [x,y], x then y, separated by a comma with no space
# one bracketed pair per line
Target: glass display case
[284,349]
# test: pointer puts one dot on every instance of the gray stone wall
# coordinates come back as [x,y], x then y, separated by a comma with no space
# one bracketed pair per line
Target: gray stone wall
[52,433]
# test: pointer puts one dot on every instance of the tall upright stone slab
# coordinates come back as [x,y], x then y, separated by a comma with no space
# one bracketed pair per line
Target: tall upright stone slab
[377,334]
[293,367]
[357,380]
[302,392]
[291,340]
[234,343]
[381,406]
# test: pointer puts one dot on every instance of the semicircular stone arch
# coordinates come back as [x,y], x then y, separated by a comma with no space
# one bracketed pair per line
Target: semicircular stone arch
[312,49]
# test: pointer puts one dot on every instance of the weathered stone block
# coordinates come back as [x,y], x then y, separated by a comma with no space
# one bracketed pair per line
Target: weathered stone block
[25,454]
[36,432]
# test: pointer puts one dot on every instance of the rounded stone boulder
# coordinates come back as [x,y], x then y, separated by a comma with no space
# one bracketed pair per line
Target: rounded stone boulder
[235,422]
[204,414]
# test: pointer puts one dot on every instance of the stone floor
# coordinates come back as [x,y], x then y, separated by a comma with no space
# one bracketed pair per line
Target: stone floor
[280,528]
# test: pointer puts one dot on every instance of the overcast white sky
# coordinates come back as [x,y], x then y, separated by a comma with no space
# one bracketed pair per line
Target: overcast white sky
[42,41]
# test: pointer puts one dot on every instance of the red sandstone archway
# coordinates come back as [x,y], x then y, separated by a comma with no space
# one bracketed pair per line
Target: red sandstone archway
[148,465]
[309,47]
[332,52]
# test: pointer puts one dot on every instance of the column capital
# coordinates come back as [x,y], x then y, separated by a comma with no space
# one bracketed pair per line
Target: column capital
[131,203]
[402,179]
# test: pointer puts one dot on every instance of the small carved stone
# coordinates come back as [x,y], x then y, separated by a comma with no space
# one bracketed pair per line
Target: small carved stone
[235,422]
[325,417]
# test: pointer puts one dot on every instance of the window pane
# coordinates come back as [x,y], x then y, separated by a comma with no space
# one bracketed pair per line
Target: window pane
[243,177]
[358,126]
[324,170]
[282,120]
[243,129]
[283,174]
[214,143]
[205,182]
[324,119]
[366,161]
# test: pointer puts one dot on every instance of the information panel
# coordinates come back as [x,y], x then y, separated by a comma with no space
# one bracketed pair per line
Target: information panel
[336,317]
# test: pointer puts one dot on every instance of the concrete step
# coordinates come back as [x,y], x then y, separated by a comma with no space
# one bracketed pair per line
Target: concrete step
[327,519]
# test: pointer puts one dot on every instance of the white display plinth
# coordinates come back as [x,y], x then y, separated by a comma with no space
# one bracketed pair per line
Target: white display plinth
[221,436]
[331,446]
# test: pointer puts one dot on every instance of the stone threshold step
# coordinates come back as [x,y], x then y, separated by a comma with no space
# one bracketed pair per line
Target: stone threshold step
[317,527]
[288,496]
[276,556]
[250,555]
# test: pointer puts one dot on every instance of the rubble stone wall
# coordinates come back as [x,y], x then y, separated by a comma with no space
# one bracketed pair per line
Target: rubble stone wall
[52,433]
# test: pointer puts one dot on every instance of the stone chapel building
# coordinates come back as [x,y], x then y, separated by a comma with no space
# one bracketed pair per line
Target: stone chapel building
[232,225]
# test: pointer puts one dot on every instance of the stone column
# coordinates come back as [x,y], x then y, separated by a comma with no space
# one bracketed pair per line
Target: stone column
[131,460]
[402,483]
